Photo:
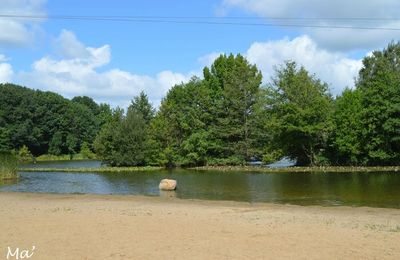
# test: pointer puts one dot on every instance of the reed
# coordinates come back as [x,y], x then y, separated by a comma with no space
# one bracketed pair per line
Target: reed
[8,166]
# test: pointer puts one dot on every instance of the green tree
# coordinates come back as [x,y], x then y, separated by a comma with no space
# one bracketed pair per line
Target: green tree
[56,145]
[301,109]
[141,104]
[105,144]
[217,120]
[123,140]
[33,117]
[195,148]
[234,84]
[131,140]
[71,143]
[87,102]
[104,115]
[379,84]
[86,152]
[347,134]
[5,143]
[183,112]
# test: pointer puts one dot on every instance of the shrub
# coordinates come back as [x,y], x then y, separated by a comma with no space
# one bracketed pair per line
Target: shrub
[24,155]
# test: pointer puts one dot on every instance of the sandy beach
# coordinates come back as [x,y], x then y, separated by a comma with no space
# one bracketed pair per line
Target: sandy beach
[133,227]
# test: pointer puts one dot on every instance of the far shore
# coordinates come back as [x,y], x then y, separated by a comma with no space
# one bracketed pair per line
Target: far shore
[294,169]
[71,226]
[95,170]
[259,169]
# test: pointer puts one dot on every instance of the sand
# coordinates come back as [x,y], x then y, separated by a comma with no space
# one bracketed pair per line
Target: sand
[134,227]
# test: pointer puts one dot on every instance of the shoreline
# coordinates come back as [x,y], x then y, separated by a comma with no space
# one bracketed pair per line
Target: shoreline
[170,196]
[246,169]
[82,226]
[94,170]
[295,169]
[165,197]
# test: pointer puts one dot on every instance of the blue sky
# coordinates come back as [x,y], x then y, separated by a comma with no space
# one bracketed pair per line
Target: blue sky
[113,61]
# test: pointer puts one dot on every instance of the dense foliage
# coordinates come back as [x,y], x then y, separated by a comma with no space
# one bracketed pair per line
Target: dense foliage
[346,147]
[45,122]
[379,84]
[210,121]
[123,140]
[301,109]
[225,118]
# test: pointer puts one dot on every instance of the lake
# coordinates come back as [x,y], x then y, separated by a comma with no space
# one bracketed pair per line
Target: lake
[333,189]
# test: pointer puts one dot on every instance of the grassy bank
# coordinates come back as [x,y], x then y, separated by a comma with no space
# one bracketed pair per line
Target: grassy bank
[331,169]
[64,157]
[225,169]
[8,166]
[96,170]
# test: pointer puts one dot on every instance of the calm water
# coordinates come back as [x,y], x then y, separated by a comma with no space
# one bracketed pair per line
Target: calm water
[368,189]
[64,164]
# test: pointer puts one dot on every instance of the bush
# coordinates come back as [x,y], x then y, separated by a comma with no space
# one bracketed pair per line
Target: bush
[86,152]
[24,155]
[234,160]
[322,160]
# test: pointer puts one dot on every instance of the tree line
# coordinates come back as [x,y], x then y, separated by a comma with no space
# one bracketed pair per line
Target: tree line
[227,117]
[37,122]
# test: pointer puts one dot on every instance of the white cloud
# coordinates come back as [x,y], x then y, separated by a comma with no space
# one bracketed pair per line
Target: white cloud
[332,67]
[320,8]
[79,69]
[77,60]
[6,73]
[68,46]
[377,12]
[19,31]
[3,58]
[208,59]
[77,73]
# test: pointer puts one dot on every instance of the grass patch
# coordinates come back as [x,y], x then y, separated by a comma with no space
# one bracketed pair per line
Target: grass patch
[96,170]
[8,166]
[330,169]
[64,157]
[225,169]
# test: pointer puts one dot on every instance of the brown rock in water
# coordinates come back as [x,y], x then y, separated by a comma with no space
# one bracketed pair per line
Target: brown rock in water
[167,184]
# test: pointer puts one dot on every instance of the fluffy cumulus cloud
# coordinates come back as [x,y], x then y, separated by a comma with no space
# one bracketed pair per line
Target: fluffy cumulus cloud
[208,59]
[6,71]
[19,31]
[372,13]
[78,72]
[68,46]
[332,67]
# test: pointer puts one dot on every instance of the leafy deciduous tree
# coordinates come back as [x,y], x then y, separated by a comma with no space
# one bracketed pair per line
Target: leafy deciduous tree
[379,83]
[301,109]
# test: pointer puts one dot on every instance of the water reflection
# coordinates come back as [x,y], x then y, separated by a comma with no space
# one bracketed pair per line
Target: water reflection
[63,164]
[367,189]
[8,181]
[168,194]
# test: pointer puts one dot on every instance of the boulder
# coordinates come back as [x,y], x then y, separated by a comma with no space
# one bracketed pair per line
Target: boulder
[167,184]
